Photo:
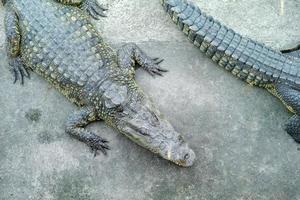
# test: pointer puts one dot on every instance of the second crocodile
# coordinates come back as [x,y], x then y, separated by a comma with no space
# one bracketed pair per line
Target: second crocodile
[251,61]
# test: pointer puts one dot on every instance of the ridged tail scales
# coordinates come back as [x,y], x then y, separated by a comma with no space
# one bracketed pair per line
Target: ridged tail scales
[249,60]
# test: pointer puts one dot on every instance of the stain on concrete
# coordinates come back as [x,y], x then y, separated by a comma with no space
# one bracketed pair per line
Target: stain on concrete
[45,137]
[33,115]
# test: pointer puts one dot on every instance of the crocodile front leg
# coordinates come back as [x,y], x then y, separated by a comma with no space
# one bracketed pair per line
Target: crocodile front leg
[131,56]
[13,39]
[290,96]
[75,127]
[90,6]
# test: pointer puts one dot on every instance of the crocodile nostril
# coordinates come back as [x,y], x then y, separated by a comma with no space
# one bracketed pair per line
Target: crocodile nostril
[186,156]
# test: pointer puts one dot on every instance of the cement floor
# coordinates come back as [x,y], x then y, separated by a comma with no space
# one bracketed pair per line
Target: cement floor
[235,129]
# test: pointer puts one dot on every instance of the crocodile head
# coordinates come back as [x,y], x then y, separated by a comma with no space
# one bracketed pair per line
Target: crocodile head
[143,123]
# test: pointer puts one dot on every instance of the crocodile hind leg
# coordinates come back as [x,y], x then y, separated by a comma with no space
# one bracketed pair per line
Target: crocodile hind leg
[13,39]
[292,127]
[90,6]
[130,56]
[75,127]
[290,96]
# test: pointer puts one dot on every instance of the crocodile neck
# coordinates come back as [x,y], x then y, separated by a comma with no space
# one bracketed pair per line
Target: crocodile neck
[249,60]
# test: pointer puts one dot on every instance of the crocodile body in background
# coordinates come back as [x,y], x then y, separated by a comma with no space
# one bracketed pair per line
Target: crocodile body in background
[56,39]
[251,61]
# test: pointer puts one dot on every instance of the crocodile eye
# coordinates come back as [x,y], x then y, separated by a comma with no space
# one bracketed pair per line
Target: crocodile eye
[119,108]
[180,139]
[154,117]
[186,156]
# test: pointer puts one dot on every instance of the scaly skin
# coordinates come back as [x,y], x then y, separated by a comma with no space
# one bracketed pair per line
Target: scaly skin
[56,39]
[251,61]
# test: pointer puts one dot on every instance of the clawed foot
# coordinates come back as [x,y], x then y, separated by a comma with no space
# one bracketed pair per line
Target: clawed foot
[291,132]
[19,70]
[94,9]
[97,143]
[292,127]
[153,68]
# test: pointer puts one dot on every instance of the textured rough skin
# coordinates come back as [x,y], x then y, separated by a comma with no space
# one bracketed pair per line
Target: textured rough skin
[56,39]
[251,61]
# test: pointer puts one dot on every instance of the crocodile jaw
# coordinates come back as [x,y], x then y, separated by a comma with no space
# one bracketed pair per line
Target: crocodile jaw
[143,124]
[165,142]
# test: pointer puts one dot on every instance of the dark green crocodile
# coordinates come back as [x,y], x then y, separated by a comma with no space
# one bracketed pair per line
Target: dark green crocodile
[251,61]
[57,40]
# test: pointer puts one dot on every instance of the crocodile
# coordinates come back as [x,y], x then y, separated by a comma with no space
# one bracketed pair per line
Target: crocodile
[57,40]
[249,60]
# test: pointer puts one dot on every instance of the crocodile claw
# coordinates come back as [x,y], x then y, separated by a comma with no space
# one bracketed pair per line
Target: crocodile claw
[97,143]
[94,9]
[19,70]
[153,67]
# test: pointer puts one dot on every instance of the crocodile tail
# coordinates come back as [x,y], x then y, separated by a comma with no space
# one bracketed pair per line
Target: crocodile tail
[249,60]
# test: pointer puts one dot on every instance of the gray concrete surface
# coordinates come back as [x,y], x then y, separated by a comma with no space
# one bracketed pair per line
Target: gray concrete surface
[236,130]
